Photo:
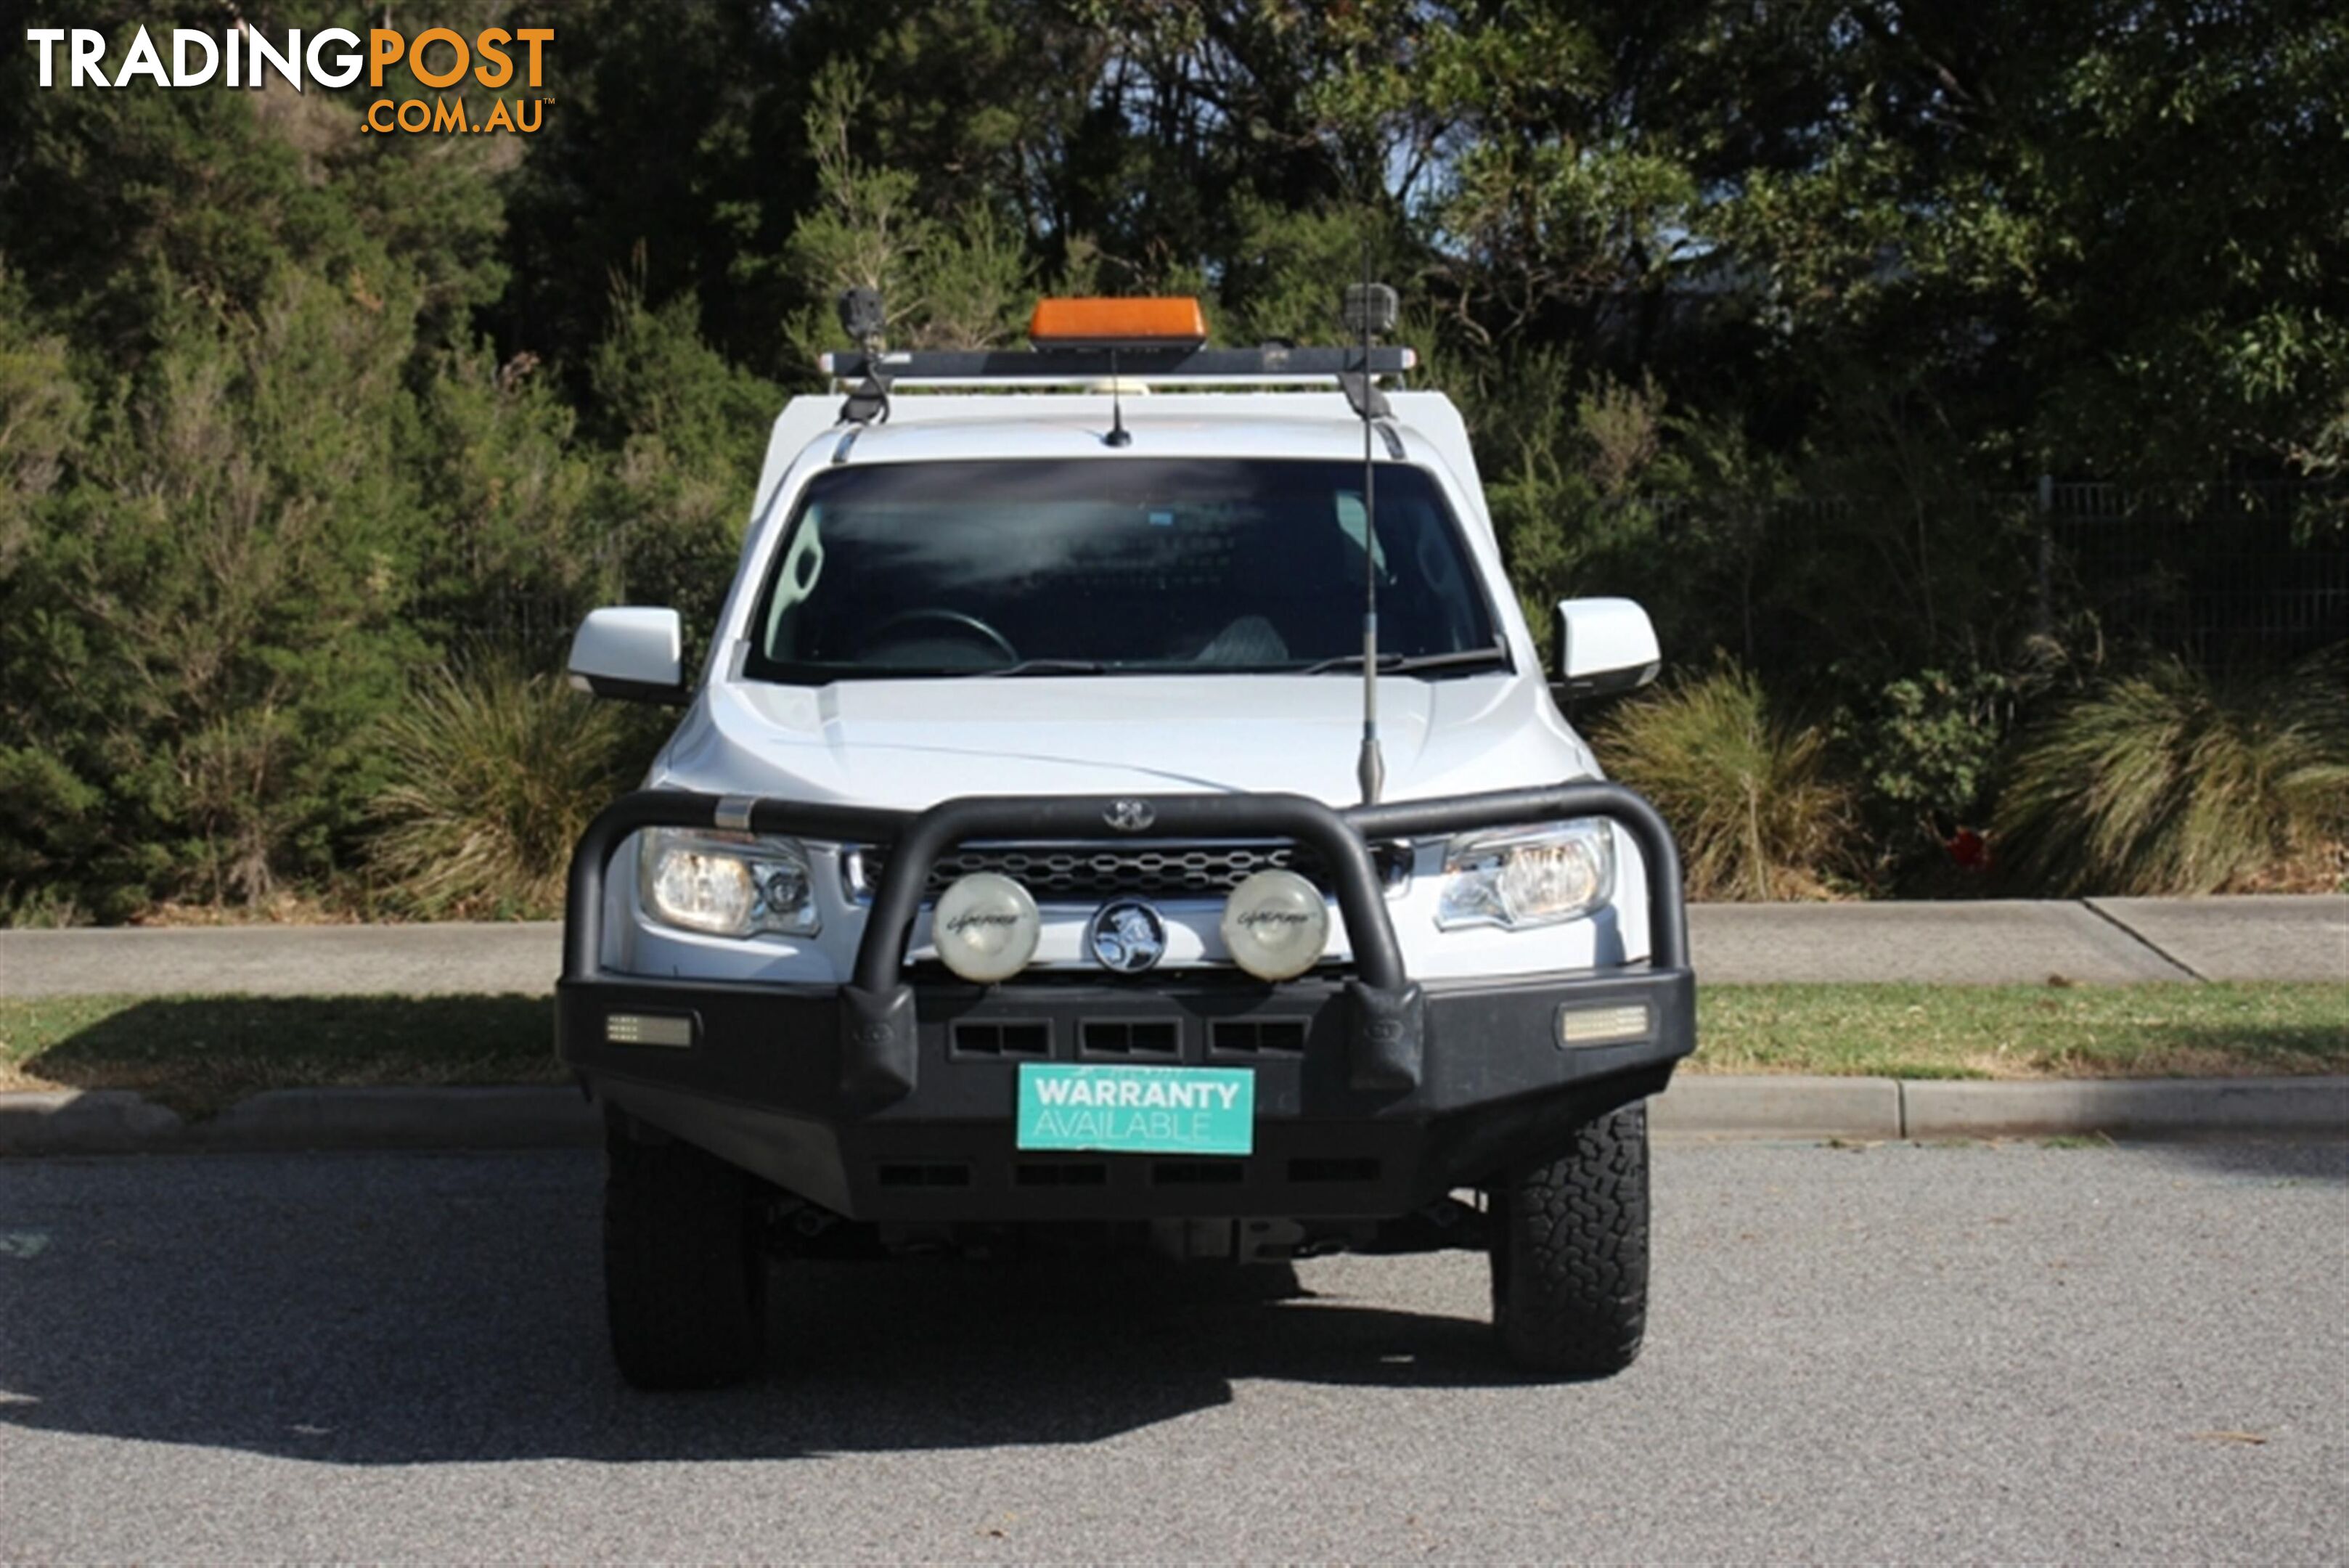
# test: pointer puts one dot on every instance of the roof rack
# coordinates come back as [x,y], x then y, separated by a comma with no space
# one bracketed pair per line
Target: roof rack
[1272,365]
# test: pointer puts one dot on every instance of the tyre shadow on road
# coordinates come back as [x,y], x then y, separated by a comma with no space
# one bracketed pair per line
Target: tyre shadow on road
[465,1326]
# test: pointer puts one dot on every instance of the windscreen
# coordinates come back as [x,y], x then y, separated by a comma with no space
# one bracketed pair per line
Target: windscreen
[1113,566]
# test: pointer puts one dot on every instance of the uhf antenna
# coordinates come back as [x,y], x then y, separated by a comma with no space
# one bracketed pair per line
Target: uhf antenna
[1118,434]
[1370,309]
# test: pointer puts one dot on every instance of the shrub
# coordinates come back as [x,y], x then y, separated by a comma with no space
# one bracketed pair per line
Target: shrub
[2165,782]
[206,607]
[1924,748]
[494,774]
[1757,812]
[1931,739]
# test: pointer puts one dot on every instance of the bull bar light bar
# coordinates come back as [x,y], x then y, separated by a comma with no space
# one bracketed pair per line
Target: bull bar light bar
[1340,837]
[879,1037]
[921,837]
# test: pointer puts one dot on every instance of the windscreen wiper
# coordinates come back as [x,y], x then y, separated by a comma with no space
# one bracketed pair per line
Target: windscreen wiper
[1040,666]
[1410,663]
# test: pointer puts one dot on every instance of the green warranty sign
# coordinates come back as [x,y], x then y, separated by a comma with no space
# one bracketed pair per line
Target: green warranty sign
[1137,1110]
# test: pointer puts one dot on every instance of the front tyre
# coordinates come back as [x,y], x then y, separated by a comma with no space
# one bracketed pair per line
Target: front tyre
[683,1276]
[1569,1252]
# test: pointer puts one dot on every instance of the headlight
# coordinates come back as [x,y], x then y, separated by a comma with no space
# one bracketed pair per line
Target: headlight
[1526,875]
[729,885]
[985,928]
[1275,925]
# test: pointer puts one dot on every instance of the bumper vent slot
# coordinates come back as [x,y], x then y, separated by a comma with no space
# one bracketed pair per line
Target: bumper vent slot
[1305,1171]
[1054,1173]
[909,1175]
[990,1039]
[1197,1173]
[1258,1036]
[1108,1037]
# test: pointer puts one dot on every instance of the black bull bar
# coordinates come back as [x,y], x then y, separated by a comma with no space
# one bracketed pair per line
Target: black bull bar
[878,1039]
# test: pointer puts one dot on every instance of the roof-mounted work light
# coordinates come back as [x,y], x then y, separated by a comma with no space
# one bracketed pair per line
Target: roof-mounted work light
[1372,310]
[861,318]
[1129,323]
[864,319]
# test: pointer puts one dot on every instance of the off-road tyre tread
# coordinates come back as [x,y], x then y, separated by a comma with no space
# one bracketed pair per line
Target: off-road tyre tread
[1571,1253]
[684,1278]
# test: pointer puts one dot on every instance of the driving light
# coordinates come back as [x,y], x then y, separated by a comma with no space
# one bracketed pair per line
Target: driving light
[1602,1025]
[985,928]
[1275,925]
[728,885]
[1527,876]
[648,1029]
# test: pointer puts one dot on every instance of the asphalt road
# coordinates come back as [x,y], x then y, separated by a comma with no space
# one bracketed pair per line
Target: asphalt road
[1901,1353]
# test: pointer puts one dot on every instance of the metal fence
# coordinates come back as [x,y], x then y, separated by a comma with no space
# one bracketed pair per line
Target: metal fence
[2241,574]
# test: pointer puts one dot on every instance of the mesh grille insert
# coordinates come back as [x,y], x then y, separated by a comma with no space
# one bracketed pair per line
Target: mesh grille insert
[1081,873]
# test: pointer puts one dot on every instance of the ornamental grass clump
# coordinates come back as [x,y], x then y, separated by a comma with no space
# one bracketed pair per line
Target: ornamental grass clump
[495,773]
[2167,781]
[1757,810]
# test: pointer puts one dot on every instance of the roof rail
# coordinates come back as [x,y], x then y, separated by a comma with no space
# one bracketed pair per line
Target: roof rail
[1272,365]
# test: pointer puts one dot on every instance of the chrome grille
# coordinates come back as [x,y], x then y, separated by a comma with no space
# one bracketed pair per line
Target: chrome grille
[1090,872]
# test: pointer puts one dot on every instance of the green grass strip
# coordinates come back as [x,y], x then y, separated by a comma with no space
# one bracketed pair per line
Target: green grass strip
[200,1054]
[2024,1031]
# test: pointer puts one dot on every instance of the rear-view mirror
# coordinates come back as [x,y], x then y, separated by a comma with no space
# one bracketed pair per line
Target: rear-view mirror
[635,652]
[1604,646]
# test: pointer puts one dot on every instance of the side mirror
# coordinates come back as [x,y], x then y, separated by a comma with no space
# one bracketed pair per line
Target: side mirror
[630,651]
[1604,647]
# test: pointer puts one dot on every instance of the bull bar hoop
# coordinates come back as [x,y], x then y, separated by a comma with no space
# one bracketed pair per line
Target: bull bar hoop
[878,1023]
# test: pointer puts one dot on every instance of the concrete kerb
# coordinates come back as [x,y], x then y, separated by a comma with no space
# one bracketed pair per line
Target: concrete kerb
[1700,1104]
[110,1121]
[1876,1110]
[85,1121]
[2142,1108]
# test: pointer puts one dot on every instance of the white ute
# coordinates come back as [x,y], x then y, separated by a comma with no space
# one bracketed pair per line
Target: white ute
[1121,800]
